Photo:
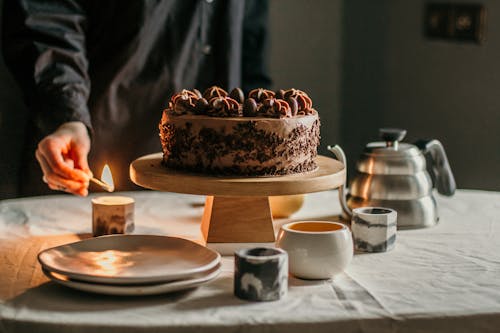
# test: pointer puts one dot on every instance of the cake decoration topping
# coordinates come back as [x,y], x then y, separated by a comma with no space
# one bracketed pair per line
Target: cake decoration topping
[216,102]
[292,102]
[183,102]
[197,93]
[224,107]
[237,95]
[280,94]
[304,102]
[260,94]
[250,107]
[274,108]
[201,106]
[214,91]
[282,108]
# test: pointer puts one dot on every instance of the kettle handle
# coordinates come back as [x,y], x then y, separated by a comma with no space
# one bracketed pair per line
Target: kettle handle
[340,156]
[438,166]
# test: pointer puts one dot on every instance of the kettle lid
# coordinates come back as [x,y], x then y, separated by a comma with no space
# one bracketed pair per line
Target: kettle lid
[391,146]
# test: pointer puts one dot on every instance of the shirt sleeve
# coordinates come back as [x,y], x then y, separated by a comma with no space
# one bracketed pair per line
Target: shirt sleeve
[255,55]
[44,48]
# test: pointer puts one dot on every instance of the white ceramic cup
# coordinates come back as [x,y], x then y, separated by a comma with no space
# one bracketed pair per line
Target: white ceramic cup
[316,249]
[374,228]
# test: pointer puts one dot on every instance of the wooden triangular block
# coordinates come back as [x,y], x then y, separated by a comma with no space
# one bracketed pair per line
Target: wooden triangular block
[237,220]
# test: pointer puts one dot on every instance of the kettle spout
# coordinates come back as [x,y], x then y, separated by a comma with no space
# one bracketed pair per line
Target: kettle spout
[340,156]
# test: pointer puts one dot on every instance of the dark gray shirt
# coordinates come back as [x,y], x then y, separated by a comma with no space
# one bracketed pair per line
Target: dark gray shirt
[114,64]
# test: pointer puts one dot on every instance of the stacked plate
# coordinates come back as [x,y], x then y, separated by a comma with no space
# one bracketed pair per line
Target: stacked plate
[131,264]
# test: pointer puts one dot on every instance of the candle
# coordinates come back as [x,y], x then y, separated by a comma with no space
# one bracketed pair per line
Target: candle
[112,215]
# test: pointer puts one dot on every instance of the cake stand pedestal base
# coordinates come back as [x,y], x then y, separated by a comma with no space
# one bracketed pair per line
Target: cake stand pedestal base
[230,223]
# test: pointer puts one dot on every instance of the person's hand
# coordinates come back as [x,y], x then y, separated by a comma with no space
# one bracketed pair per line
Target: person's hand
[63,158]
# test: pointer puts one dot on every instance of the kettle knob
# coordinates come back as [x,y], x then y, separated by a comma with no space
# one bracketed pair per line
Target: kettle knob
[392,134]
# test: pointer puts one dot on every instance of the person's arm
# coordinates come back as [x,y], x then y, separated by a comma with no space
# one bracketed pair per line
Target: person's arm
[44,48]
[255,55]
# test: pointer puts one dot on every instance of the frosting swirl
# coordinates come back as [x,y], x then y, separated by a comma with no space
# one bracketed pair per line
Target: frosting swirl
[183,102]
[224,107]
[274,108]
[304,102]
[214,91]
[260,94]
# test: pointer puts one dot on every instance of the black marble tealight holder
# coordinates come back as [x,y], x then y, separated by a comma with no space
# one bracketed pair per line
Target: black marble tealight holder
[374,228]
[261,274]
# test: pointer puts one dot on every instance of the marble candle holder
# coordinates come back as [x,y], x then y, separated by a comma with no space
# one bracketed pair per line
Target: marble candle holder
[112,215]
[374,229]
[261,274]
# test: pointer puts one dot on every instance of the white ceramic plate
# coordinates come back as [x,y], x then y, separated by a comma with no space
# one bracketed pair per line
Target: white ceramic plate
[134,290]
[129,259]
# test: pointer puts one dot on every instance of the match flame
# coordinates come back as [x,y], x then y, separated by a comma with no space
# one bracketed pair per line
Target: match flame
[107,177]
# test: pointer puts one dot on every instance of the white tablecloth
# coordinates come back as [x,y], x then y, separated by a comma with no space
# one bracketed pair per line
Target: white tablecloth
[445,278]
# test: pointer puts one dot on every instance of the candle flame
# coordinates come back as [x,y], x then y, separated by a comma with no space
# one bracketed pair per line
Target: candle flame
[107,177]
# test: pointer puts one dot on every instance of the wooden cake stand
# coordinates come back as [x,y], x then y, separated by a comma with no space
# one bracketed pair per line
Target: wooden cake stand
[237,211]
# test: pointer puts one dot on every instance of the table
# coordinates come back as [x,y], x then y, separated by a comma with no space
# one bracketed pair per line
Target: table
[441,279]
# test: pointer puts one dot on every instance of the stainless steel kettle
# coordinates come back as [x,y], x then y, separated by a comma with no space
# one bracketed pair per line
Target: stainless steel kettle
[400,176]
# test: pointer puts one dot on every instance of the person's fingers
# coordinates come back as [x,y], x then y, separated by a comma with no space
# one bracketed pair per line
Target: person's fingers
[63,158]
[69,186]
[81,191]
[80,156]
[79,145]
[54,149]
[55,182]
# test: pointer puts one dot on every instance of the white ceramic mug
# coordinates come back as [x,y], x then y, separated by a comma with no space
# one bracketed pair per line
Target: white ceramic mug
[316,249]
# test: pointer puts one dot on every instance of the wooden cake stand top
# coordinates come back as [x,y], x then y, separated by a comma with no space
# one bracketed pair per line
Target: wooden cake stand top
[148,172]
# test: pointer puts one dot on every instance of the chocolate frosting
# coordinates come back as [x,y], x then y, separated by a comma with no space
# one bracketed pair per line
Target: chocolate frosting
[240,146]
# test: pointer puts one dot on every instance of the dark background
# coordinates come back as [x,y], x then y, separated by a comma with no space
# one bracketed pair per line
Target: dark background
[366,64]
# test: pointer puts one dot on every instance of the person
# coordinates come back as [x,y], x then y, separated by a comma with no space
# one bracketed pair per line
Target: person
[96,76]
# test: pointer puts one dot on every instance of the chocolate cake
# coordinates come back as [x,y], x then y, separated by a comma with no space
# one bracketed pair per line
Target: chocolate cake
[263,134]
